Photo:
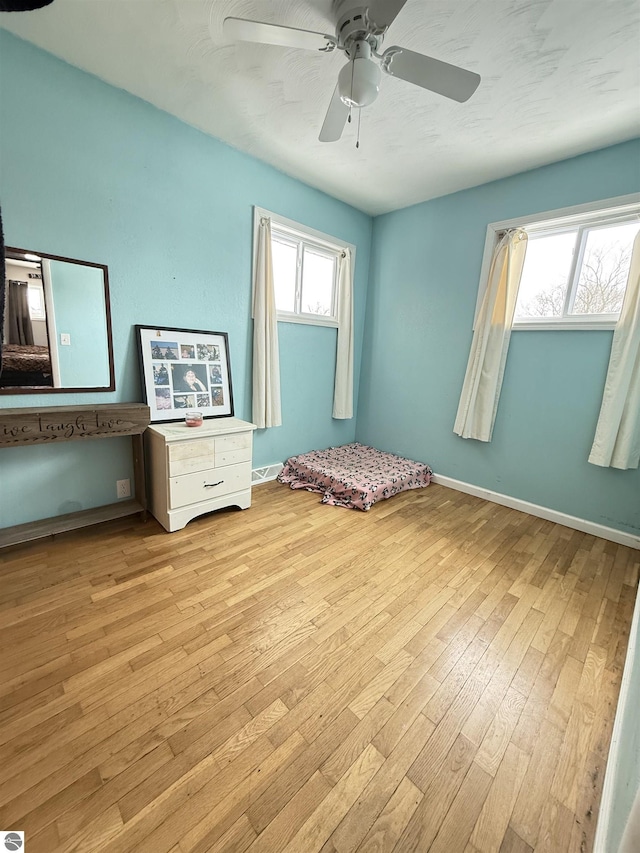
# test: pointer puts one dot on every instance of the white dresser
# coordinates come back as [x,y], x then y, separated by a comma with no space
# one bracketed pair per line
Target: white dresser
[195,470]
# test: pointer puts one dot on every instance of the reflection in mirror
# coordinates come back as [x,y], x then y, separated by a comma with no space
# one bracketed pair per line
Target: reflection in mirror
[56,333]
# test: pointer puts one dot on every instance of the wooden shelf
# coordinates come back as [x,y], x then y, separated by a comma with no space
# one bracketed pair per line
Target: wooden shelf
[46,425]
[63,523]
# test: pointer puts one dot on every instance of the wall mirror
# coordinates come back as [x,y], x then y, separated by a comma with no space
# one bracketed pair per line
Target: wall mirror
[56,332]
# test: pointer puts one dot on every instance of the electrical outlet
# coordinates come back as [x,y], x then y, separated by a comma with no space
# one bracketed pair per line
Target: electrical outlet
[123,488]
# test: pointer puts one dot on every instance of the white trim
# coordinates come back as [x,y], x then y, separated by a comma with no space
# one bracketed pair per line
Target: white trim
[52,330]
[622,205]
[307,319]
[572,521]
[328,240]
[266,474]
[564,325]
[601,843]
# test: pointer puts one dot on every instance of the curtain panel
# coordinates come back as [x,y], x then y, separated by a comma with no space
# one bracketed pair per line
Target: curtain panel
[20,328]
[485,369]
[343,386]
[617,439]
[266,408]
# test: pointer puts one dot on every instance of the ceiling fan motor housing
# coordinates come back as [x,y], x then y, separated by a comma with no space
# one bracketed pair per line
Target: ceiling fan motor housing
[354,24]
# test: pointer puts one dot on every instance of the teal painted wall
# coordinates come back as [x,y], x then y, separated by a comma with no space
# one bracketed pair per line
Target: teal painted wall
[79,308]
[105,177]
[425,269]
[88,171]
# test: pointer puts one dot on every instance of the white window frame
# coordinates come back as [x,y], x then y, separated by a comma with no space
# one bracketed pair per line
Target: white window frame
[316,240]
[607,211]
[37,313]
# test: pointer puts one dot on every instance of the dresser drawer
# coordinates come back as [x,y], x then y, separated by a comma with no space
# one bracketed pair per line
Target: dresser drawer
[211,483]
[232,457]
[241,441]
[188,456]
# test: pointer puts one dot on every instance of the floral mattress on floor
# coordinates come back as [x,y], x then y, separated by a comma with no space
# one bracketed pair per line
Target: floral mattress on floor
[354,475]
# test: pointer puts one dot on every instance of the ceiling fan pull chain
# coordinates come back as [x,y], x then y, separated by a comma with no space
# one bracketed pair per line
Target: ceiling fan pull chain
[358,134]
[351,102]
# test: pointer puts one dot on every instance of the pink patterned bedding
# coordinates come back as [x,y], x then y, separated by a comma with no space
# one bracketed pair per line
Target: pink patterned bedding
[354,475]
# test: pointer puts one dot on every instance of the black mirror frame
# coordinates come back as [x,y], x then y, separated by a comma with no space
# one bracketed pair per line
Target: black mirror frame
[41,389]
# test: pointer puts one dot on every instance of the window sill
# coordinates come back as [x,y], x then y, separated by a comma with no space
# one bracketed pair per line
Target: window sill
[565,325]
[307,320]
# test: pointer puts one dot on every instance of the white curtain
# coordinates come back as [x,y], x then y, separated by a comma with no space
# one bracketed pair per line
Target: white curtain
[617,440]
[20,327]
[266,362]
[485,369]
[631,839]
[343,387]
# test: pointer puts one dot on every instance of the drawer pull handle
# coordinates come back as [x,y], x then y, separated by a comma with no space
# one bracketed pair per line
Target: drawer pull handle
[211,485]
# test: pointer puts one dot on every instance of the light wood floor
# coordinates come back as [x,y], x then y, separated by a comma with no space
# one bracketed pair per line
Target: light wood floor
[439,674]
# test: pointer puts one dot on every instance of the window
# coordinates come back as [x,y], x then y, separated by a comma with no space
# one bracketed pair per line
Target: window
[36,301]
[305,272]
[576,265]
[576,273]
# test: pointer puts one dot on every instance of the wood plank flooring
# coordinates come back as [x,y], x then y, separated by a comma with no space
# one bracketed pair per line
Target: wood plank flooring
[438,674]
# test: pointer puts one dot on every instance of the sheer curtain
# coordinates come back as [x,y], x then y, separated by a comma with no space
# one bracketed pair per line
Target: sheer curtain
[266,410]
[631,839]
[617,440]
[343,387]
[485,369]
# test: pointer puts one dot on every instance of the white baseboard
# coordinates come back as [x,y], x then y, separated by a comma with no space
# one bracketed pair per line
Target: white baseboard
[581,524]
[264,475]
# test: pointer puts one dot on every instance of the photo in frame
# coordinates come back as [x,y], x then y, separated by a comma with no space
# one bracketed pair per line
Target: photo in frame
[184,369]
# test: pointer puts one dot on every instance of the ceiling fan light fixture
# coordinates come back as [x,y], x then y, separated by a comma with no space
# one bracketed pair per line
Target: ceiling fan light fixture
[359,82]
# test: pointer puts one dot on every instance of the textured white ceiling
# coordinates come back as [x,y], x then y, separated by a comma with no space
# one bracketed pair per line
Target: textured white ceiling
[559,78]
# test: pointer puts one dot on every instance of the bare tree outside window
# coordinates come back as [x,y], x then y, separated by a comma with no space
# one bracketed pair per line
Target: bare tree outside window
[319,308]
[545,304]
[599,281]
[603,279]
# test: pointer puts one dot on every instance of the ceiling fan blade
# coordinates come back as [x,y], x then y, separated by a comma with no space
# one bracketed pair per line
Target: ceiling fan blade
[335,119]
[240,29]
[440,77]
[384,12]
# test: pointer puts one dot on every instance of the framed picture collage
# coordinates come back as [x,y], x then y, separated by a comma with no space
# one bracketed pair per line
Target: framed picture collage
[184,369]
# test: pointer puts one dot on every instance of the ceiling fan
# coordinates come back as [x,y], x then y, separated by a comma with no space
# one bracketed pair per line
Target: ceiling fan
[360,30]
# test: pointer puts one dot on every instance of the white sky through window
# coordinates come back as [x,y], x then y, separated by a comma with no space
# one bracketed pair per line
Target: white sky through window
[317,284]
[546,267]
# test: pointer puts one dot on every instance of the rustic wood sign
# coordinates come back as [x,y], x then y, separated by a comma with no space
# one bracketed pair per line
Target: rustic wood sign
[62,423]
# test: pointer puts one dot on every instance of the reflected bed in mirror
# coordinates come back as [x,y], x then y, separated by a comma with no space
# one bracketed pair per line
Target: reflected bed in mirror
[56,334]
